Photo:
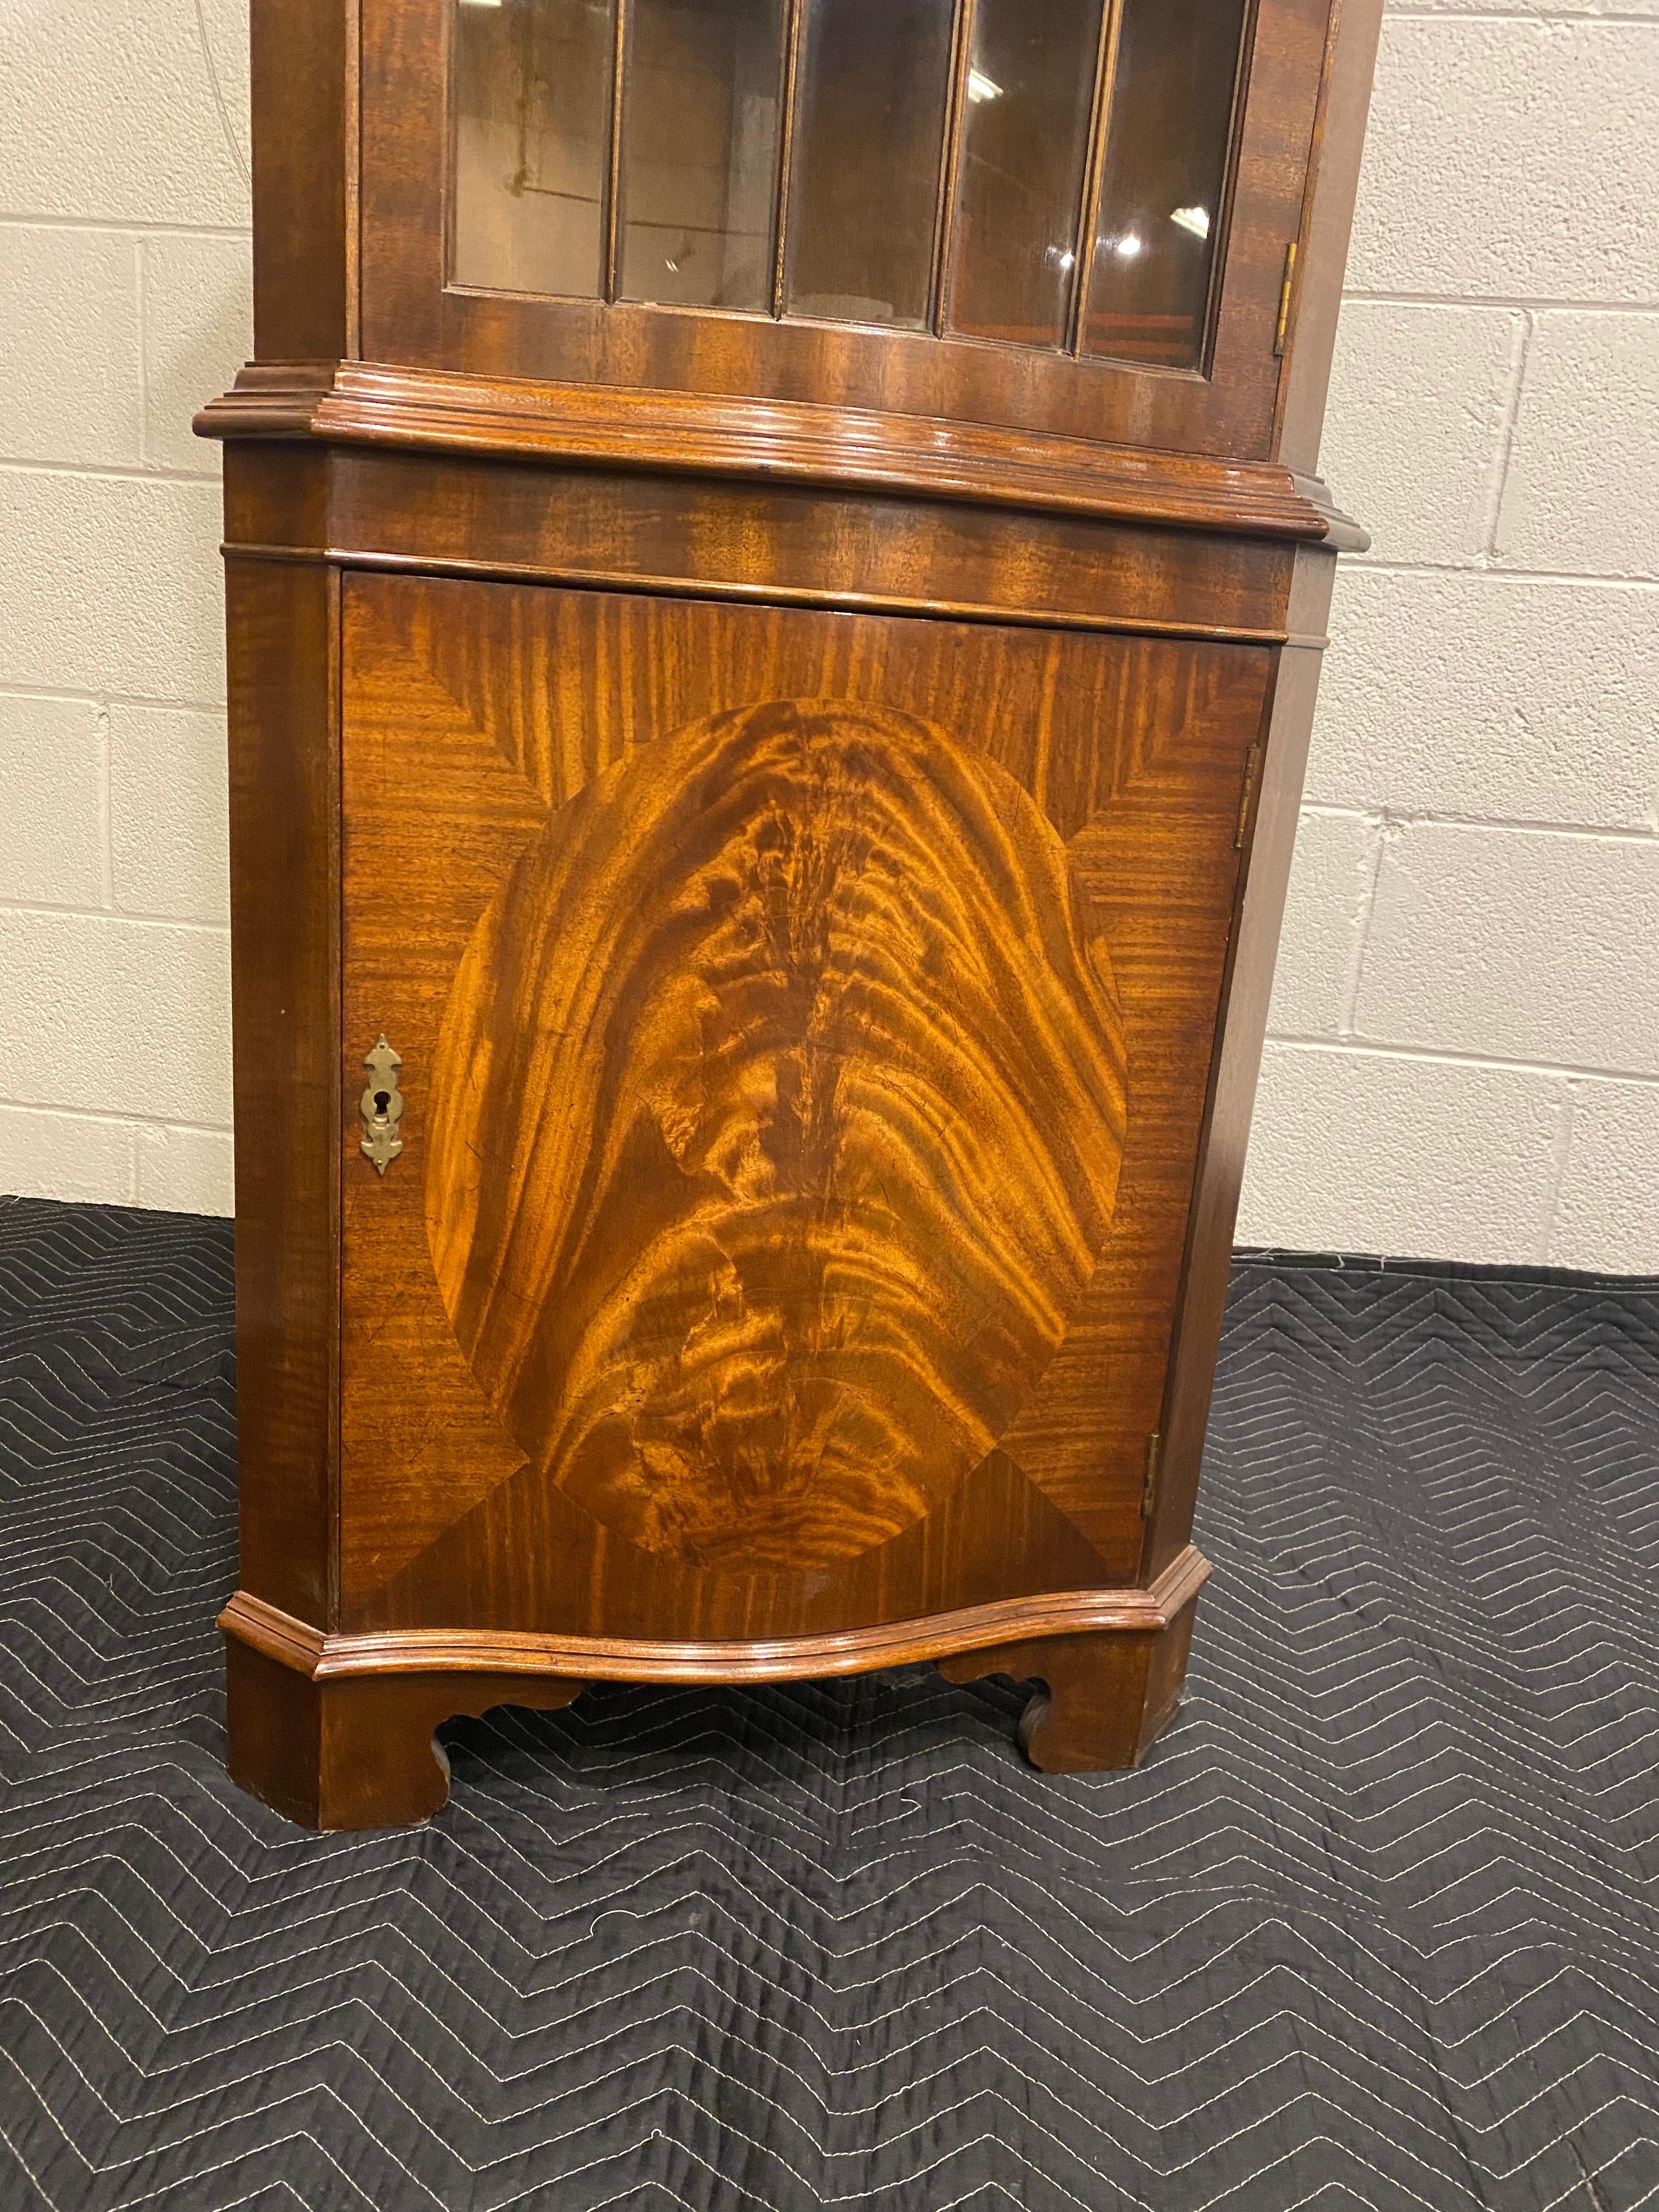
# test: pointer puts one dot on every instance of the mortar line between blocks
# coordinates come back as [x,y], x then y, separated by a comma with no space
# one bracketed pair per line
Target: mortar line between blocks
[1502,302]
[1559,1153]
[1608,833]
[24,909]
[143,283]
[1443,1055]
[127,1121]
[1520,343]
[1481,571]
[105,472]
[92,698]
[106,812]
[1377,844]
[115,227]
[1601,19]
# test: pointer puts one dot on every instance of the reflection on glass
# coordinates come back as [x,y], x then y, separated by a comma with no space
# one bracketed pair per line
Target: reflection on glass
[869,140]
[1024,141]
[700,151]
[533,144]
[1165,170]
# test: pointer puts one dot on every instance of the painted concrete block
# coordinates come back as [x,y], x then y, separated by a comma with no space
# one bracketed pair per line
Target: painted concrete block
[198,330]
[1530,945]
[65,1156]
[1510,160]
[112,585]
[1330,880]
[1607,1211]
[1490,697]
[1584,477]
[1368,1152]
[108,1015]
[71,372]
[1415,426]
[169,831]
[186,1170]
[51,830]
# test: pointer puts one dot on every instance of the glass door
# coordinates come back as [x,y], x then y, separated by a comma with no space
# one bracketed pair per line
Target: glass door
[1052,177]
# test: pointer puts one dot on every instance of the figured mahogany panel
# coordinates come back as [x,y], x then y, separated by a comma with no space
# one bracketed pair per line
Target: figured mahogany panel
[805,1021]
[777,1114]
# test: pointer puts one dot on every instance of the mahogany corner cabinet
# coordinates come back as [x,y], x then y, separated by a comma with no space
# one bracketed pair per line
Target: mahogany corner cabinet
[775,589]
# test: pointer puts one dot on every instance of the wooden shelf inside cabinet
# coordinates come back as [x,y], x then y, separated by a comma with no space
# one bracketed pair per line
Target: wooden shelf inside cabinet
[769,681]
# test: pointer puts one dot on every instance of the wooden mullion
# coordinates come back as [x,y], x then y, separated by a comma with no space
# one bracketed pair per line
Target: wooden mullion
[962,53]
[786,153]
[1082,251]
[613,177]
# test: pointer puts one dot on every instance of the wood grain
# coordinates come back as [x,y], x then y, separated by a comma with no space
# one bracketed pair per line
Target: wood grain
[1235,1065]
[370,404]
[1103,1699]
[306,237]
[285,859]
[359,1753]
[1326,220]
[473,712]
[777,1116]
[336,1731]
[1032,1622]
[771,544]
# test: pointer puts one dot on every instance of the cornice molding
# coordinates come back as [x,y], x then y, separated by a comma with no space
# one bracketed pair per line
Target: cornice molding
[363,404]
[323,1656]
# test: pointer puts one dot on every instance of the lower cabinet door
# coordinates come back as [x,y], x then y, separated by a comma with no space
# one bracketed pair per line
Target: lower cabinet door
[767,1213]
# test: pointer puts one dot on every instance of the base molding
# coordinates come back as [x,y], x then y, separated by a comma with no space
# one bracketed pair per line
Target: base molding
[324,1655]
[336,1731]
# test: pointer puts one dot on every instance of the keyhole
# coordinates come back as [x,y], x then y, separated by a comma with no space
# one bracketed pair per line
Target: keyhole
[382,1103]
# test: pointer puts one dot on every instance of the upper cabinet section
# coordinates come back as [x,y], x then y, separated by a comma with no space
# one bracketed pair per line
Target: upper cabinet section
[1072,217]
[1050,176]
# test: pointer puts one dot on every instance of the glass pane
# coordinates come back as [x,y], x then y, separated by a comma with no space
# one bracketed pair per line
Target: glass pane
[869,141]
[700,151]
[533,144]
[1166,161]
[1024,140]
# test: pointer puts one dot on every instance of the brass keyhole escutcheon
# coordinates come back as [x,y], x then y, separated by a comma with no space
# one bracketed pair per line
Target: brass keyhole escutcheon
[382,1106]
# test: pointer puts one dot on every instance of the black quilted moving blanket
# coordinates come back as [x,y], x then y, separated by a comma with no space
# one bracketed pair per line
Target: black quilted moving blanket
[1375,1926]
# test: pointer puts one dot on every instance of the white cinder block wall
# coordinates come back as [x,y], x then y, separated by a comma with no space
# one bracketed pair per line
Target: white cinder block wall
[1465,1034]
[1465,1055]
[124,300]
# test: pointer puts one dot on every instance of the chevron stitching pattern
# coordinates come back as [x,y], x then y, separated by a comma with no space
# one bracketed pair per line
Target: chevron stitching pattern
[1375,1926]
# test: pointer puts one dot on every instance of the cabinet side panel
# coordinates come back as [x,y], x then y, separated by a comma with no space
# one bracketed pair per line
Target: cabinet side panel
[305,179]
[284,831]
[1237,1064]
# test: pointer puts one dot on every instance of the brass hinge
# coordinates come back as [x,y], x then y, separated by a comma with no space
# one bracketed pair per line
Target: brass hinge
[1149,1487]
[1281,328]
[1252,769]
